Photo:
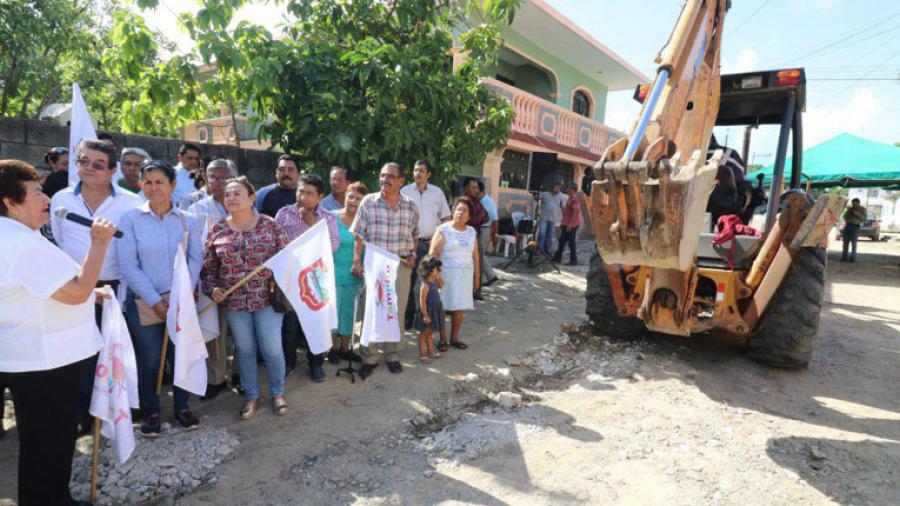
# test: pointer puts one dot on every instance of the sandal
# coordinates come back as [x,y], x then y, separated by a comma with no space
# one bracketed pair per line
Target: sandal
[279,405]
[425,359]
[459,345]
[249,409]
[442,346]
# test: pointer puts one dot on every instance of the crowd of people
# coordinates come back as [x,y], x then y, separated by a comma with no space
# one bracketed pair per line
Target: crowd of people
[49,318]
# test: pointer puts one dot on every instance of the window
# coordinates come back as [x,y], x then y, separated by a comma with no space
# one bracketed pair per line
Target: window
[514,170]
[581,104]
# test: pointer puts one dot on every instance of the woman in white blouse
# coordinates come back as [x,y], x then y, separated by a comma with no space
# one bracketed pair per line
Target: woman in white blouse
[47,330]
[456,244]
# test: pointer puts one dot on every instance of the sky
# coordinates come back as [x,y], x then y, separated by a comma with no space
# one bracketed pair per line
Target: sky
[849,48]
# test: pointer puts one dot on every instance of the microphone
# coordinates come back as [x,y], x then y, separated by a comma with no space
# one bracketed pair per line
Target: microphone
[64,214]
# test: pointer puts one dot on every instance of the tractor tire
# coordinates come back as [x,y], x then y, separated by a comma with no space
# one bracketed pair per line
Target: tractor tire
[601,306]
[786,332]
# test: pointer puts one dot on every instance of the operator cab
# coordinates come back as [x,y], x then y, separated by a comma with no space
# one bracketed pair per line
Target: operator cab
[753,99]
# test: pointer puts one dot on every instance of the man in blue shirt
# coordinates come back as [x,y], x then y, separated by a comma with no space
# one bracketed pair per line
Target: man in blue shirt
[188,165]
[339,180]
[484,235]
[283,192]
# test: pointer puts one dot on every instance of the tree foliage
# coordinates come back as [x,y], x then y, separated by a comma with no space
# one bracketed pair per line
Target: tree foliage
[360,83]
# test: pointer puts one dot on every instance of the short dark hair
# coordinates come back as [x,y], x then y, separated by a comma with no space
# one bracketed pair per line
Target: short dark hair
[480,185]
[314,180]
[160,166]
[428,265]
[854,200]
[396,166]
[187,146]
[290,158]
[13,173]
[468,203]
[106,137]
[53,154]
[423,162]
[91,145]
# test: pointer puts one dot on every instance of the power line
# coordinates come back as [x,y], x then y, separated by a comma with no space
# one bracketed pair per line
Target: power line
[813,50]
[854,79]
[844,90]
[748,18]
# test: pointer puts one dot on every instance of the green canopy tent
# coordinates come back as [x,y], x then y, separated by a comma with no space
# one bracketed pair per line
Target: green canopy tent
[846,160]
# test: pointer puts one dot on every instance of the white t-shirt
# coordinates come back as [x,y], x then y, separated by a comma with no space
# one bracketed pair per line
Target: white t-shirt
[38,333]
[75,239]
[433,208]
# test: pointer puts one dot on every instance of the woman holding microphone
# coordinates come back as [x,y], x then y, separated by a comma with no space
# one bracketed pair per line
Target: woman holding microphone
[47,330]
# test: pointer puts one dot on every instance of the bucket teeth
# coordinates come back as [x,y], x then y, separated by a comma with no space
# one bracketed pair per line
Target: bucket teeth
[653,222]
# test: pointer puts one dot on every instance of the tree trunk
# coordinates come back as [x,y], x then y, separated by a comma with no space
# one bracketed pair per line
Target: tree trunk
[9,85]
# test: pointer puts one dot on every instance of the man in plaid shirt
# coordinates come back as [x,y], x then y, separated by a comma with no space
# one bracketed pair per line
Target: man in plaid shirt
[390,221]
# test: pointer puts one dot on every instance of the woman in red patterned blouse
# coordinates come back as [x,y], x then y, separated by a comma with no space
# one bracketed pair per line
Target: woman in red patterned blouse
[234,248]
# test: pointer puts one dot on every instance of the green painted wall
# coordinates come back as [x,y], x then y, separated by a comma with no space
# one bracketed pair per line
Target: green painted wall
[569,77]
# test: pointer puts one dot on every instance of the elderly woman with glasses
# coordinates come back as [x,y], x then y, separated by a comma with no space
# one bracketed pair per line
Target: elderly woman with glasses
[152,233]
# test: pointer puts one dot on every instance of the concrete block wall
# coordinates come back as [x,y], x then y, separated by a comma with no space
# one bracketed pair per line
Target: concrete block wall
[28,140]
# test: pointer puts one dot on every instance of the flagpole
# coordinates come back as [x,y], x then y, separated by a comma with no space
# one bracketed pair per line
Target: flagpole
[239,284]
[95,459]
[162,360]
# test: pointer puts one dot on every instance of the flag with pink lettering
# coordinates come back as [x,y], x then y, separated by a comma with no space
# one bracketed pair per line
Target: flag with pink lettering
[185,331]
[115,379]
[381,320]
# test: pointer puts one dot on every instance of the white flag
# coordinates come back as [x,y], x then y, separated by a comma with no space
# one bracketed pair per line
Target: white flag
[304,270]
[184,330]
[209,321]
[115,379]
[381,321]
[80,128]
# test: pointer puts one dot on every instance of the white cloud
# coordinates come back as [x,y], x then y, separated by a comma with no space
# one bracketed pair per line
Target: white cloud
[863,115]
[747,61]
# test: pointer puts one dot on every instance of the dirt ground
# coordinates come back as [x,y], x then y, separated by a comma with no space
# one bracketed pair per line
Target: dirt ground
[532,415]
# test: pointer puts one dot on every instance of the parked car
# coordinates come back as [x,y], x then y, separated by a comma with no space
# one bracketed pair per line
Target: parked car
[870,228]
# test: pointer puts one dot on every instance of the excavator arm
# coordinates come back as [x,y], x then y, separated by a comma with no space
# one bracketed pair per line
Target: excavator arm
[650,189]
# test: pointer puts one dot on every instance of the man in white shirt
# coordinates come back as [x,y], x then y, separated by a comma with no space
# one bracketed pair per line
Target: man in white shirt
[551,214]
[94,196]
[484,235]
[433,210]
[188,164]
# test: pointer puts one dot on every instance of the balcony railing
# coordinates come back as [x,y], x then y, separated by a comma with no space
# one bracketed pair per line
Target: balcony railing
[547,121]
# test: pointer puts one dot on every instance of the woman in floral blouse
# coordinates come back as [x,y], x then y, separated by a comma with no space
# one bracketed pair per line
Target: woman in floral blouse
[234,248]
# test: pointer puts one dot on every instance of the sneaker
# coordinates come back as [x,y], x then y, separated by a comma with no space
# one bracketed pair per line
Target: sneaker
[572,262]
[490,281]
[316,373]
[334,357]
[151,426]
[395,367]
[187,419]
[366,370]
[351,356]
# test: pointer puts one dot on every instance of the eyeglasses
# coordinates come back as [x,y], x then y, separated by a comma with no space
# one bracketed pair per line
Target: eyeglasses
[84,162]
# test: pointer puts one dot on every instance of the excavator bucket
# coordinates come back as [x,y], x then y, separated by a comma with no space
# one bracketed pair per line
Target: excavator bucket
[652,214]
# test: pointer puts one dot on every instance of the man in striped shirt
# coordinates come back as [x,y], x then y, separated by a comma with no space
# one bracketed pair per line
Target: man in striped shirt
[295,220]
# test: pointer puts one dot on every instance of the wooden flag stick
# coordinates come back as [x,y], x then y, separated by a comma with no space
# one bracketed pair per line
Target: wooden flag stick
[95,460]
[239,284]
[162,360]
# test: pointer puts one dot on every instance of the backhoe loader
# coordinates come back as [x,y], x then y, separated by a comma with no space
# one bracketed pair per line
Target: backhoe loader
[656,267]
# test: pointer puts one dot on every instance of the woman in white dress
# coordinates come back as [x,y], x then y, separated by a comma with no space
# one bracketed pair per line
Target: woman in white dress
[457,246]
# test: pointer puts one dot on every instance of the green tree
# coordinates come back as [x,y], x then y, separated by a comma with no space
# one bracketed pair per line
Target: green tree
[358,83]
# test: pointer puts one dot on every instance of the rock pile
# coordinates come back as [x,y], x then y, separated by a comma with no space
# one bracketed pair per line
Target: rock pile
[176,463]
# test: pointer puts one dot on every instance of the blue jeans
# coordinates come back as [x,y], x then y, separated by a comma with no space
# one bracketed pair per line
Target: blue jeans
[252,330]
[851,237]
[545,237]
[149,347]
[567,237]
